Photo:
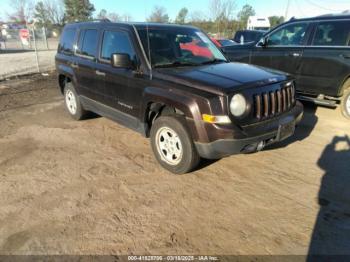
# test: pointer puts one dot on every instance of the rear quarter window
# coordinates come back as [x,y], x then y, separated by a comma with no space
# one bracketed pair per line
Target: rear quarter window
[67,41]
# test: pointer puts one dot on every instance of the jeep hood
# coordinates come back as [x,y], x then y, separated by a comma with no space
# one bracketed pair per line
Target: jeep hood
[221,78]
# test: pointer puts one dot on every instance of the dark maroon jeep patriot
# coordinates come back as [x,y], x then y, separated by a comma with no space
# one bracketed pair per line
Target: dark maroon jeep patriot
[172,84]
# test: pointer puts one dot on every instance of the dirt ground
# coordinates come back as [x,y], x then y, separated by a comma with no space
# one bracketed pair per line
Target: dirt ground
[94,187]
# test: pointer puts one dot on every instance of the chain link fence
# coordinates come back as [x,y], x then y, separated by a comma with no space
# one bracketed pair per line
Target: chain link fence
[26,51]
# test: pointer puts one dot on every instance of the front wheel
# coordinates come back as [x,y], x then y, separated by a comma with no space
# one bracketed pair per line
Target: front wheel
[173,146]
[345,105]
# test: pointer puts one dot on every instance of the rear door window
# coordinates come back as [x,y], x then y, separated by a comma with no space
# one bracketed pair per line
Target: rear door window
[116,42]
[88,40]
[67,41]
[332,33]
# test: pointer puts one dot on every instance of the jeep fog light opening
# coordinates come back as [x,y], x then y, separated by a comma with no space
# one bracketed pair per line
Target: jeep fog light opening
[238,105]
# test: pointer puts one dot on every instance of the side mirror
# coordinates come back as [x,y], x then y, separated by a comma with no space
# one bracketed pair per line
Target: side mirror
[263,42]
[122,61]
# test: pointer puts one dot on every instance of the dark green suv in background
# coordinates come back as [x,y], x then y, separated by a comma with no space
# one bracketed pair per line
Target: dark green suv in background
[316,51]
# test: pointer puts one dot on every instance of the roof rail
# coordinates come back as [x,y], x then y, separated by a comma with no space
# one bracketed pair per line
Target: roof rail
[326,15]
[344,13]
[105,20]
[102,20]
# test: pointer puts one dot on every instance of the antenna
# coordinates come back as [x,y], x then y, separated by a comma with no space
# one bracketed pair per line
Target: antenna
[287,10]
[149,51]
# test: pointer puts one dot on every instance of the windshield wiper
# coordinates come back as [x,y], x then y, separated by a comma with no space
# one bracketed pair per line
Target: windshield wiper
[214,61]
[176,64]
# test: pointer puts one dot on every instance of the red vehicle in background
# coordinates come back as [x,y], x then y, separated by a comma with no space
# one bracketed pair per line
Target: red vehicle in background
[216,42]
[222,42]
[198,48]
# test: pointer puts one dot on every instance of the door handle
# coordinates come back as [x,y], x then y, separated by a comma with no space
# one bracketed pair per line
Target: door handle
[99,73]
[295,54]
[345,56]
[74,65]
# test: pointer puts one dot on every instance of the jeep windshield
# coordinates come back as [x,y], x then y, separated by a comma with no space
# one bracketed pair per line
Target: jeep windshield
[179,47]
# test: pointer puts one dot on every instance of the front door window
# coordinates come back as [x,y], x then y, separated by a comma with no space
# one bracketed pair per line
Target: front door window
[291,35]
[116,42]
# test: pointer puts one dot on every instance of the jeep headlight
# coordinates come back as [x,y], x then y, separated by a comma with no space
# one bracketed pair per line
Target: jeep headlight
[238,105]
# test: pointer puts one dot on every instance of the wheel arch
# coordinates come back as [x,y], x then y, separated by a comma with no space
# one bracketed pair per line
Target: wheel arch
[155,109]
[62,80]
[344,85]
[65,75]
[158,101]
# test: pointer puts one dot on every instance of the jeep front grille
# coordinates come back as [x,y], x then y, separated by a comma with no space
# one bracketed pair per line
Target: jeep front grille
[273,103]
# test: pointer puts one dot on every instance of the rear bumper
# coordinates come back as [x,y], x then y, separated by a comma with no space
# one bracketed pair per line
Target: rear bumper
[226,147]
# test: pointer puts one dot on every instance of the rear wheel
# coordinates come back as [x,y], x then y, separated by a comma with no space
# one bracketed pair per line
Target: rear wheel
[173,146]
[72,102]
[345,104]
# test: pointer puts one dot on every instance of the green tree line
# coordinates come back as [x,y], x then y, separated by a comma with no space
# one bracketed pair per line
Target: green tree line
[222,16]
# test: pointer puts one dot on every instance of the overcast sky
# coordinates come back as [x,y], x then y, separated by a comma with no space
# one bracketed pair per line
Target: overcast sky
[140,9]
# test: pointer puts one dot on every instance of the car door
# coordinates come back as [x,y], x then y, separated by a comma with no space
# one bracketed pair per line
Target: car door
[284,48]
[326,61]
[85,65]
[123,86]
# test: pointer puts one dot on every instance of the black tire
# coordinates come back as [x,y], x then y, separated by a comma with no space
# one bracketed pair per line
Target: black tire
[190,158]
[345,103]
[79,113]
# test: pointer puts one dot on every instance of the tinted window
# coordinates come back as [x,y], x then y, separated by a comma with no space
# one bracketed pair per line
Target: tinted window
[88,42]
[336,33]
[226,42]
[247,36]
[67,41]
[116,42]
[293,34]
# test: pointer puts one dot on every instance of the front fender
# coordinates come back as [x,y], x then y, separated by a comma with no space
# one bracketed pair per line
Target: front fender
[186,103]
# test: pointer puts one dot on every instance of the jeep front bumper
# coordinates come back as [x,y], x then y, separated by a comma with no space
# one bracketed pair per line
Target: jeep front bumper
[226,147]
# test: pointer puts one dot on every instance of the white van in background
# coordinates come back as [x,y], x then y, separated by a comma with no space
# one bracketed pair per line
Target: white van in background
[258,23]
